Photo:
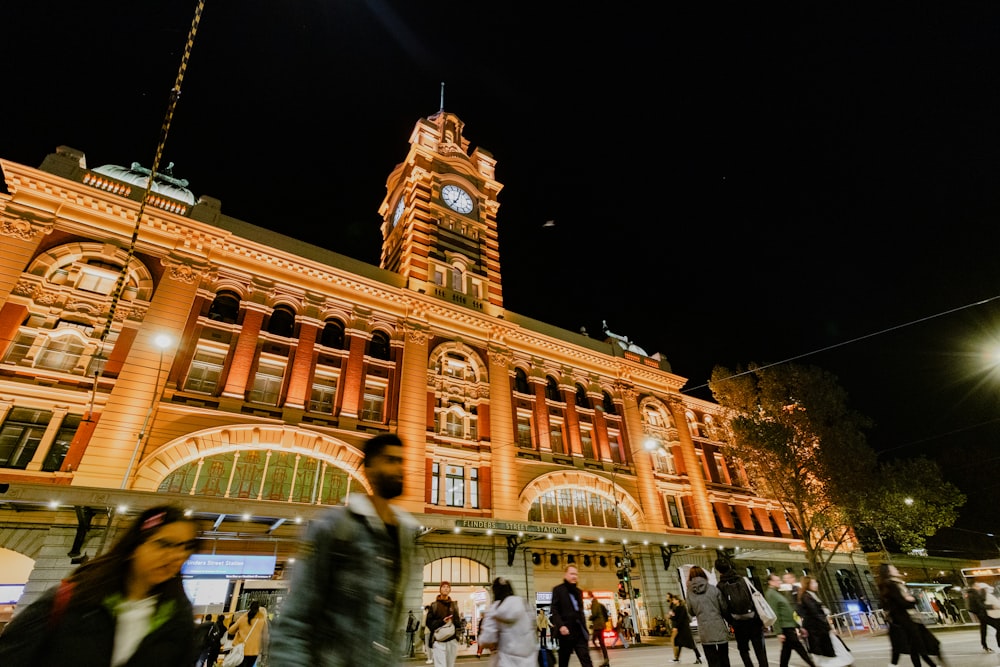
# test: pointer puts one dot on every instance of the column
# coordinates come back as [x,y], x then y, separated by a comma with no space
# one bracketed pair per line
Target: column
[651,504]
[503,451]
[541,414]
[696,476]
[572,422]
[354,376]
[412,429]
[140,383]
[245,351]
[299,384]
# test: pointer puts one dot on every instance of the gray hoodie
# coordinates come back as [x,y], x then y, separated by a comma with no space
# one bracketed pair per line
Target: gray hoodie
[705,602]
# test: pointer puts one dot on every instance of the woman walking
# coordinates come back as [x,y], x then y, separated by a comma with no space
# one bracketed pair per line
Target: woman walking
[124,608]
[681,634]
[905,634]
[509,628]
[709,606]
[815,619]
[249,630]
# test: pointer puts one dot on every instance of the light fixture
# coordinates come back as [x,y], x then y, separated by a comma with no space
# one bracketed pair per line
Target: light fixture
[122,509]
[246,516]
[53,504]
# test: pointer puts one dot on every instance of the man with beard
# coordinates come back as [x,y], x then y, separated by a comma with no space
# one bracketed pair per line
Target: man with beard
[344,606]
[569,624]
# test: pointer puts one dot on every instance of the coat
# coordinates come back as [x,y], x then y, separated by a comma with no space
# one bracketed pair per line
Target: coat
[516,645]
[905,634]
[440,610]
[85,637]
[814,620]
[244,632]
[344,607]
[710,607]
[682,623]
[782,607]
[569,614]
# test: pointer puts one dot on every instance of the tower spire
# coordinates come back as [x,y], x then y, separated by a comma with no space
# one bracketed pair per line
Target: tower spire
[442,97]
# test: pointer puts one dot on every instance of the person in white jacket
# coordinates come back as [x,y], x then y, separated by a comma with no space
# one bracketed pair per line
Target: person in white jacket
[509,629]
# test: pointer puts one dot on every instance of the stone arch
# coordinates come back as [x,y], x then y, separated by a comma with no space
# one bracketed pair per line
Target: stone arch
[459,570]
[48,263]
[191,447]
[581,480]
[475,360]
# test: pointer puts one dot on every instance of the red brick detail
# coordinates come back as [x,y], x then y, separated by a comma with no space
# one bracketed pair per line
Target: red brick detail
[430,425]
[11,316]
[428,480]
[354,376]
[601,436]
[541,419]
[119,353]
[302,367]
[572,423]
[485,488]
[80,440]
[483,420]
[679,459]
[243,354]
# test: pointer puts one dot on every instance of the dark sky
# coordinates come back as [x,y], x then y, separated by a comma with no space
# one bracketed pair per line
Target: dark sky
[730,183]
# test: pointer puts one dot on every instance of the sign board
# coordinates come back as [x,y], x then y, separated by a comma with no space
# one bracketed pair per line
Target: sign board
[543,598]
[229,567]
[510,526]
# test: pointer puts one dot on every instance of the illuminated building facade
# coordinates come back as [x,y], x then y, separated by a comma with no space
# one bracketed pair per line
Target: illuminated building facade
[238,371]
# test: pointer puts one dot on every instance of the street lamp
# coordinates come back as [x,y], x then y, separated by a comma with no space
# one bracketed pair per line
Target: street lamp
[624,573]
[162,342]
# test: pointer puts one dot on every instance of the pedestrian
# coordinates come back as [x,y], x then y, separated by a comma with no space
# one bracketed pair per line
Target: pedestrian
[215,645]
[201,635]
[543,624]
[905,634]
[508,628]
[425,633]
[747,626]
[443,611]
[815,619]
[126,607]
[412,625]
[621,636]
[951,609]
[250,629]
[976,597]
[344,604]
[709,606]
[568,621]
[681,634]
[786,626]
[599,622]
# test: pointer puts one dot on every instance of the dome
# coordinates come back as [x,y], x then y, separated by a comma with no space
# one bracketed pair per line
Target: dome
[164,184]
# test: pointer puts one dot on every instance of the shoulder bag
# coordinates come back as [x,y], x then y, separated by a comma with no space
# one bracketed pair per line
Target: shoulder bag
[764,611]
[235,656]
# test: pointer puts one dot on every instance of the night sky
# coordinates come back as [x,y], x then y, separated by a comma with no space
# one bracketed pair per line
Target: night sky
[730,183]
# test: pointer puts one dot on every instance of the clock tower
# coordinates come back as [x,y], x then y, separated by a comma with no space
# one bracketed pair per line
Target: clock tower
[439,226]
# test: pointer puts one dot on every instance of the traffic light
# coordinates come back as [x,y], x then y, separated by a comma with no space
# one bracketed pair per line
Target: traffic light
[621,591]
[635,593]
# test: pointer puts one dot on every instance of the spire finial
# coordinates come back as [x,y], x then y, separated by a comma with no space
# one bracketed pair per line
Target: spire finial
[442,97]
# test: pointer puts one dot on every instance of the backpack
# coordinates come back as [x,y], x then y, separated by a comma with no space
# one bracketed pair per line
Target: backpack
[737,593]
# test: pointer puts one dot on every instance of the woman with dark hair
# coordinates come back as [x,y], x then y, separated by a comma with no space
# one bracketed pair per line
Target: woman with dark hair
[508,628]
[124,608]
[249,630]
[710,607]
[682,635]
[814,618]
[215,645]
[905,634]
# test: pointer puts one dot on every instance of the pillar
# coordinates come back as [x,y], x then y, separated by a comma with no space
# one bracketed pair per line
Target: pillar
[503,451]
[300,382]
[411,426]
[244,352]
[651,504]
[695,473]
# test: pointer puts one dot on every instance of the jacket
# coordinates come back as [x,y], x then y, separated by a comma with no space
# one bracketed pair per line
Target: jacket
[782,607]
[344,607]
[516,646]
[440,610]
[598,615]
[709,605]
[85,637]
[245,632]
[566,613]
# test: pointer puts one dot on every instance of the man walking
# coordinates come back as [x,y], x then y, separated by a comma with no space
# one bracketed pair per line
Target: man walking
[350,575]
[568,621]
[412,625]
[785,624]
[599,618]
[747,626]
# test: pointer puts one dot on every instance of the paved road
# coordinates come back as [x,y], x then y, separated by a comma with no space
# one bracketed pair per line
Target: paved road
[960,648]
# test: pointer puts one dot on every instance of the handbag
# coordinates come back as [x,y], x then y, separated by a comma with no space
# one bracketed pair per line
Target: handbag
[764,611]
[444,632]
[236,654]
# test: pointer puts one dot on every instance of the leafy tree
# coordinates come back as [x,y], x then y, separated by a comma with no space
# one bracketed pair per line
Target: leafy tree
[800,444]
[908,504]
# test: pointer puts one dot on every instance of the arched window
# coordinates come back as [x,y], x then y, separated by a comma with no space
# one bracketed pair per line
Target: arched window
[521,381]
[577,507]
[225,308]
[61,353]
[582,400]
[552,389]
[333,335]
[282,322]
[609,404]
[379,347]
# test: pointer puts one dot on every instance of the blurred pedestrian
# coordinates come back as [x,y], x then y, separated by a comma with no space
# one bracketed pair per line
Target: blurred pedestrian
[543,624]
[709,606]
[599,622]
[786,625]
[747,626]
[344,604]
[125,608]
[510,620]
[250,630]
[906,635]
[568,621]
[681,634]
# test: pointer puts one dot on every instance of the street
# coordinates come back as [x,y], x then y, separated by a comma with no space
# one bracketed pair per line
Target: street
[960,648]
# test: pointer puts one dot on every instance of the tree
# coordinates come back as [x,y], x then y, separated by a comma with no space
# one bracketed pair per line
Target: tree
[908,504]
[801,445]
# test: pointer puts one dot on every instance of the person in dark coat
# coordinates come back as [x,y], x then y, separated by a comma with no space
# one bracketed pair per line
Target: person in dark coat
[126,607]
[682,635]
[220,631]
[905,634]
[569,623]
[814,618]
[750,631]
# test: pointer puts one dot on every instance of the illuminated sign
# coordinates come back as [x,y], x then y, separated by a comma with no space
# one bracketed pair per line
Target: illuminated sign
[509,526]
[981,571]
[229,567]
[543,598]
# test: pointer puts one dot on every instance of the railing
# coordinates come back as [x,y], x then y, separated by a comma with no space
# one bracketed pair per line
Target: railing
[849,622]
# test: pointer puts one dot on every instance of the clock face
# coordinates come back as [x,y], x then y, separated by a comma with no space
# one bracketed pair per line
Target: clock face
[398,212]
[457,198]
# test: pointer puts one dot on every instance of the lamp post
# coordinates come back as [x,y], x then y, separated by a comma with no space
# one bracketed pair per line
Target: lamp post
[162,342]
[625,570]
